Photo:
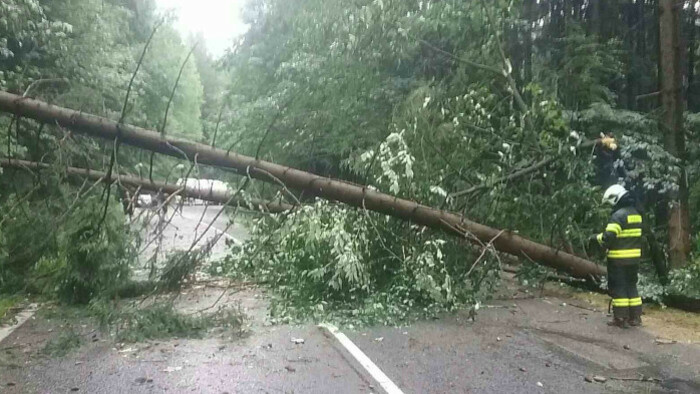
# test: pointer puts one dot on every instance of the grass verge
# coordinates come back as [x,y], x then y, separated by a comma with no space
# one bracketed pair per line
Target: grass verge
[5,304]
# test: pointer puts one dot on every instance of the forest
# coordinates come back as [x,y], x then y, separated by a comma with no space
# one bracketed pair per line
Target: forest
[492,110]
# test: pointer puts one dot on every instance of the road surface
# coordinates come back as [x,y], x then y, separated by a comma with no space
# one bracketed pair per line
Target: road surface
[188,227]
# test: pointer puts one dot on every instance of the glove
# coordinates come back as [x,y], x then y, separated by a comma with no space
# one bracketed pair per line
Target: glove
[593,242]
[609,143]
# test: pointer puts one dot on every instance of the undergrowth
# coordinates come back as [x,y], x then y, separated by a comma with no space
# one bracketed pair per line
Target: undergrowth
[683,282]
[65,250]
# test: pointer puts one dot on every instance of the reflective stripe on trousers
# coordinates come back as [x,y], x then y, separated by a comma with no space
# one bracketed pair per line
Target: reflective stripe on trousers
[624,253]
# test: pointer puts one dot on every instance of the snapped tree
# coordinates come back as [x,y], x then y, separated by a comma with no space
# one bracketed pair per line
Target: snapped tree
[290,178]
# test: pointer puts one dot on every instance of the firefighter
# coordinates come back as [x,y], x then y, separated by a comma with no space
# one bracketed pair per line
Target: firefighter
[623,240]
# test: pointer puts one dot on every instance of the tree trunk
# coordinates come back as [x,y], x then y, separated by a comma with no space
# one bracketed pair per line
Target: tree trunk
[673,105]
[167,188]
[334,190]
[692,30]
[631,17]
[528,41]
[596,23]
[642,30]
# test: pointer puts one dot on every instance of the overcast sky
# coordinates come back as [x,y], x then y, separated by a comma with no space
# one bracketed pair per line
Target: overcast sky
[218,20]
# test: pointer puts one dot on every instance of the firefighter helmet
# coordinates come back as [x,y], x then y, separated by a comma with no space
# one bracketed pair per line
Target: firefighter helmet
[614,194]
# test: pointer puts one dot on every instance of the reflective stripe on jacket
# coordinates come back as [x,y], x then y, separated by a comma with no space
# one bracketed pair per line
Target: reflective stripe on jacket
[623,235]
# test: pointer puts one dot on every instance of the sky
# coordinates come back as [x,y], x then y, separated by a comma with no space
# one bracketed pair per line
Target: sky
[218,20]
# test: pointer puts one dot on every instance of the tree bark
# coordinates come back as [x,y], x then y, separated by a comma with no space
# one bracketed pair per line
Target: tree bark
[167,188]
[528,40]
[692,29]
[672,101]
[595,21]
[334,190]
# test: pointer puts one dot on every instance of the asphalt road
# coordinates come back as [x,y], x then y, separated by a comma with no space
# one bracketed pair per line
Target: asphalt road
[520,344]
[194,226]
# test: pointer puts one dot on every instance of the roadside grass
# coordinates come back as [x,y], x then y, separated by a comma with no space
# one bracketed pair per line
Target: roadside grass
[5,304]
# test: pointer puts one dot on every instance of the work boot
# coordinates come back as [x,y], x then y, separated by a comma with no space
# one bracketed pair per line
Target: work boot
[621,315]
[619,322]
[635,319]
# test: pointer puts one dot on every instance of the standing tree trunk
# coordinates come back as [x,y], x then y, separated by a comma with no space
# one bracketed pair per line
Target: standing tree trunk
[672,101]
[692,18]
[528,41]
[629,12]
[595,23]
[642,30]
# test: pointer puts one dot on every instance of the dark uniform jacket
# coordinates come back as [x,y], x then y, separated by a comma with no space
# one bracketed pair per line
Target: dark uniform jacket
[623,236]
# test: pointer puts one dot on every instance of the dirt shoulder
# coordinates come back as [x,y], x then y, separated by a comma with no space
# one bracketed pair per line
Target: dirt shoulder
[662,322]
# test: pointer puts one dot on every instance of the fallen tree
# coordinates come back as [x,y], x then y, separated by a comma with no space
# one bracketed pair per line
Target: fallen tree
[335,190]
[212,195]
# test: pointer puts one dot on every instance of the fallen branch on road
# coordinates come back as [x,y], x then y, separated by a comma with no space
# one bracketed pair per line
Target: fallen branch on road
[639,379]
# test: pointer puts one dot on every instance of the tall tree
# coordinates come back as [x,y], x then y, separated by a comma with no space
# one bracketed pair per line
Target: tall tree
[673,104]
[529,19]
[692,48]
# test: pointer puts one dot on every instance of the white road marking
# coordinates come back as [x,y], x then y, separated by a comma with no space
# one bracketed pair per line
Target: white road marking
[362,358]
[21,317]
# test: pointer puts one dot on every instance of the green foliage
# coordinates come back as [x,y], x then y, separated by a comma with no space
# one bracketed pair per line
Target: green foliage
[63,344]
[581,68]
[161,320]
[28,38]
[81,54]
[160,70]
[647,163]
[683,282]
[5,304]
[328,261]
[76,258]
[180,265]
[410,98]
[97,252]
[418,98]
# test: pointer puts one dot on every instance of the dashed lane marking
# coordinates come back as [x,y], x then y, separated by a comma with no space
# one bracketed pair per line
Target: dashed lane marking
[362,358]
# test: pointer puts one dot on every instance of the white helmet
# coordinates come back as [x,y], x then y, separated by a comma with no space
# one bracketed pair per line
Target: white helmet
[614,194]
